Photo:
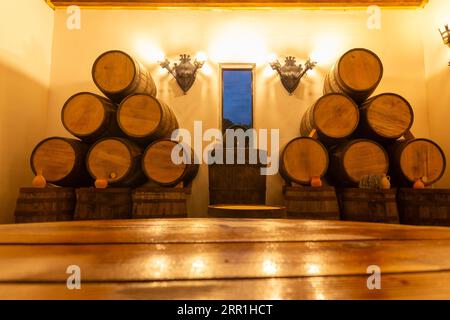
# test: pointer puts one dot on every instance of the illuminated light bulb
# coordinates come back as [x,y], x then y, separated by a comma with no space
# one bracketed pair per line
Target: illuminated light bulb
[272,58]
[207,70]
[312,268]
[201,57]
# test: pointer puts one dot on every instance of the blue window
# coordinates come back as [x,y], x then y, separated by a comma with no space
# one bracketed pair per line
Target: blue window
[237,98]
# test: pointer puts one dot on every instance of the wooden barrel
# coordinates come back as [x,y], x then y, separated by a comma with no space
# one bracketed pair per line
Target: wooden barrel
[61,161]
[416,159]
[247,211]
[311,203]
[103,204]
[116,160]
[368,205]
[45,205]
[154,202]
[302,159]
[145,119]
[90,117]
[119,75]
[427,207]
[334,117]
[357,74]
[385,117]
[237,183]
[160,168]
[352,160]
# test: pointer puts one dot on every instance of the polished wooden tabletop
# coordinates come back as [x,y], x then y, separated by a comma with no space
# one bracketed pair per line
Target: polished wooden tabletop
[223,259]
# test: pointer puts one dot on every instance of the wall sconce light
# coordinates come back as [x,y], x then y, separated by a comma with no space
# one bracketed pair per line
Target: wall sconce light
[291,73]
[185,71]
[446,36]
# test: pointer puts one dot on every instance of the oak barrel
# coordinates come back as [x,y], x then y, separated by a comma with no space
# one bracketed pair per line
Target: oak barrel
[156,202]
[416,159]
[103,204]
[45,205]
[144,119]
[246,211]
[428,207]
[119,75]
[116,160]
[368,205]
[311,203]
[90,117]
[350,161]
[357,74]
[302,159]
[61,161]
[159,167]
[385,117]
[237,182]
[334,117]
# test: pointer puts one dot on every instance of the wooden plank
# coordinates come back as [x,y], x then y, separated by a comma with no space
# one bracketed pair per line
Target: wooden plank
[239,3]
[413,286]
[111,263]
[210,231]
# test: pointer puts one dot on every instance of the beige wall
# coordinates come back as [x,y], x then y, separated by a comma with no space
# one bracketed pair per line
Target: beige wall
[26,32]
[437,56]
[239,36]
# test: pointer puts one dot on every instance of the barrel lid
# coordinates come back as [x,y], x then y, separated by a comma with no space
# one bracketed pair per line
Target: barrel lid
[365,157]
[389,115]
[54,158]
[304,158]
[139,115]
[109,158]
[360,69]
[422,159]
[158,164]
[83,114]
[114,71]
[336,115]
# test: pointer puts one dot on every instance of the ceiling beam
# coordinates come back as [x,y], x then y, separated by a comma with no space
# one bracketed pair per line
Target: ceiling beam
[111,4]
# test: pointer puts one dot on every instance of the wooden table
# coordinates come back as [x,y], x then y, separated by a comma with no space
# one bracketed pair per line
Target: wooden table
[223,259]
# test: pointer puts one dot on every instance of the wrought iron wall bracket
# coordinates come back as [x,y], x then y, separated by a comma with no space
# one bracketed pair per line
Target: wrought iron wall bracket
[291,73]
[184,72]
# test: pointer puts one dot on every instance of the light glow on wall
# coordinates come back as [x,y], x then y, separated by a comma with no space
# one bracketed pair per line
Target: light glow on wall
[327,49]
[238,42]
[148,51]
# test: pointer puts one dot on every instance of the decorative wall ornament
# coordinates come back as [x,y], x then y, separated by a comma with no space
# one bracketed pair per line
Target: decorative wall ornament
[291,73]
[184,72]
[446,36]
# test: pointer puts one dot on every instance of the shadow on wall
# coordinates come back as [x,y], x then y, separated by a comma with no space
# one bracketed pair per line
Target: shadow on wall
[23,122]
[439,113]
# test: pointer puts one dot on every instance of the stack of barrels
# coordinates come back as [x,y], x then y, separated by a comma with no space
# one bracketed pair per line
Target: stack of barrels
[348,138]
[123,148]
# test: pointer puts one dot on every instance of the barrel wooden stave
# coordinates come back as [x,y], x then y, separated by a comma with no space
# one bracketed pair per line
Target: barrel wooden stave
[334,116]
[119,75]
[368,205]
[416,159]
[159,167]
[90,117]
[145,119]
[302,159]
[61,161]
[311,203]
[157,202]
[385,118]
[352,160]
[103,204]
[357,74]
[117,160]
[247,211]
[427,207]
[45,205]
